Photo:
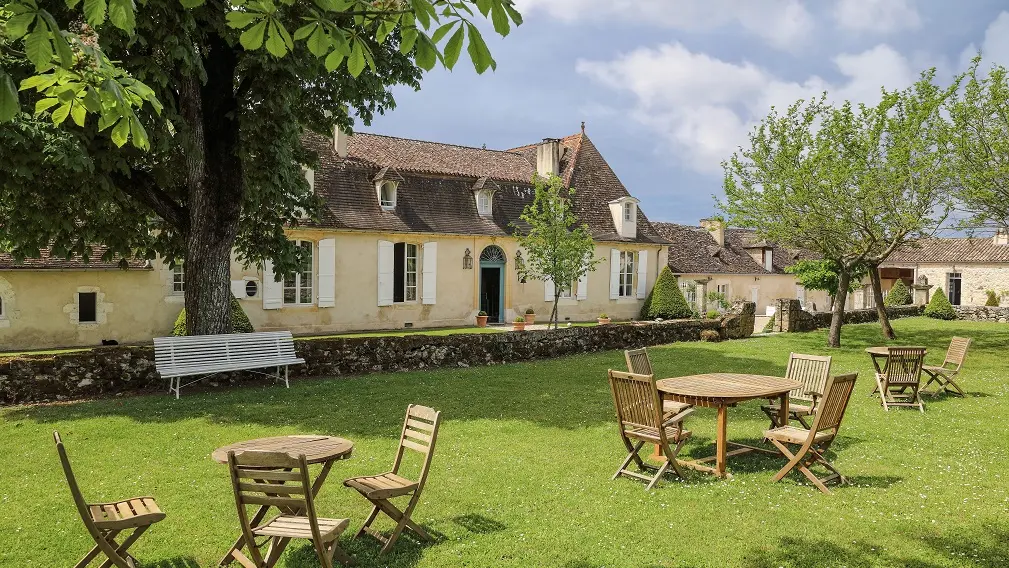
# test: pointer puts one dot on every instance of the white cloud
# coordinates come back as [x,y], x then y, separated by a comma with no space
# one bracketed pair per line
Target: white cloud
[994,48]
[880,16]
[781,23]
[704,107]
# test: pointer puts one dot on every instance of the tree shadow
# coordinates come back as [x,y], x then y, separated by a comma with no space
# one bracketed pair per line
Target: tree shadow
[478,524]
[174,562]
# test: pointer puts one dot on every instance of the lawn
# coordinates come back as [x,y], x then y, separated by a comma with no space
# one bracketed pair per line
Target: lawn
[521,476]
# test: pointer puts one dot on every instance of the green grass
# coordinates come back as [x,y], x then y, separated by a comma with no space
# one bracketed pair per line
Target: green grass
[521,476]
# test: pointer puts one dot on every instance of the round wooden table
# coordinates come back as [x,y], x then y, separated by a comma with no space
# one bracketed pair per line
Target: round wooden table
[878,355]
[720,391]
[318,449]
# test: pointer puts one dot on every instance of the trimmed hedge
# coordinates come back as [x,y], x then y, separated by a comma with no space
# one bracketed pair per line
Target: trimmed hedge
[239,321]
[667,299]
[992,301]
[899,295]
[939,307]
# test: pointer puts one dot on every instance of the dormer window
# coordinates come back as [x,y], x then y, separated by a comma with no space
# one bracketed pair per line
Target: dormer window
[484,201]
[387,194]
[628,212]
[483,193]
[625,216]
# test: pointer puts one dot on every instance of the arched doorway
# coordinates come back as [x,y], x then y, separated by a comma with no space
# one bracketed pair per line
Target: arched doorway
[492,270]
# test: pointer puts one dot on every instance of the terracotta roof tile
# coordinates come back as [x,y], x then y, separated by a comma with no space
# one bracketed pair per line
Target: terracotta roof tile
[46,261]
[952,250]
[695,251]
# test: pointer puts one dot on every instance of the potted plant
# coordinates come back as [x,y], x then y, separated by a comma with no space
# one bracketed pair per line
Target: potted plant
[481,319]
[520,324]
[530,316]
[603,319]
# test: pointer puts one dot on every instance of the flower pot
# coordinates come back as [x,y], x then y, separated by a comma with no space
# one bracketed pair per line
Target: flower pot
[481,321]
[530,319]
[519,326]
[603,321]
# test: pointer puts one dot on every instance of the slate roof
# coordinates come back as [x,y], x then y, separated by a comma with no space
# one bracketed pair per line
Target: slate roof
[436,191]
[693,250]
[951,250]
[46,261]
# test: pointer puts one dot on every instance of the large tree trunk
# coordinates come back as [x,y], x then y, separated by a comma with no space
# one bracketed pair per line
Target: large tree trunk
[214,179]
[837,316]
[877,295]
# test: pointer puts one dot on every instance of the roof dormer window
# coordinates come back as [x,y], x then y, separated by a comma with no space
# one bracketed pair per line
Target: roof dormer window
[387,194]
[629,212]
[625,216]
[484,202]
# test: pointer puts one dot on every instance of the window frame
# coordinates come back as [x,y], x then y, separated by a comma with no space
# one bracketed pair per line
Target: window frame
[401,272]
[568,292]
[80,304]
[387,204]
[628,274]
[628,212]
[298,285]
[178,279]
[481,197]
[689,290]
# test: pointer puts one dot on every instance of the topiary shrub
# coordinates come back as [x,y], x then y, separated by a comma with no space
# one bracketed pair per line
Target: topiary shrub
[992,301]
[239,321]
[939,307]
[667,299]
[769,326]
[899,295]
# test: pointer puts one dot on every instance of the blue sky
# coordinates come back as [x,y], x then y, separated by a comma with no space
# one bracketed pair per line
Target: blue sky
[669,88]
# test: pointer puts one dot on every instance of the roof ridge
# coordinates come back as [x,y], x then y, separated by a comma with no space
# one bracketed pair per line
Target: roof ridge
[434,142]
[535,144]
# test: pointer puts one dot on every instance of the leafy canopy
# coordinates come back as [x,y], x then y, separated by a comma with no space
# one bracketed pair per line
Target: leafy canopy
[823,275]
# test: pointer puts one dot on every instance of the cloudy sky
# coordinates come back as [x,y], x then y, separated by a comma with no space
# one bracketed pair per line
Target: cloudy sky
[670,88]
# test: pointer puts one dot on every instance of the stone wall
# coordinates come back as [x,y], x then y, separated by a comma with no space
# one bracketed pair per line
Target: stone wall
[982,313]
[790,316]
[116,370]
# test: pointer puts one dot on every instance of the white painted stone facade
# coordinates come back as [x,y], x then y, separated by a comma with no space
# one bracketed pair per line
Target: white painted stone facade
[975,280]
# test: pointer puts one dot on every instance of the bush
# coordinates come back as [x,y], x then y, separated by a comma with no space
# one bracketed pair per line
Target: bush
[667,300]
[710,335]
[939,307]
[769,326]
[899,295]
[992,301]
[239,321]
[713,314]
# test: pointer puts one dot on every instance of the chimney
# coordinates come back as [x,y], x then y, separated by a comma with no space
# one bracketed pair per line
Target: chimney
[341,142]
[548,157]
[717,229]
[1001,237]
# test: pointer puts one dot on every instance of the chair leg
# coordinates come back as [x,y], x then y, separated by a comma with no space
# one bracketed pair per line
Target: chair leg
[631,455]
[792,460]
[658,474]
[802,420]
[341,556]
[95,551]
[368,521]
[112,550]
[672,458]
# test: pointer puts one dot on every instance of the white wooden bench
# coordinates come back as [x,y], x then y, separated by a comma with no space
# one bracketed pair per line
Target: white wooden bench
[208,355]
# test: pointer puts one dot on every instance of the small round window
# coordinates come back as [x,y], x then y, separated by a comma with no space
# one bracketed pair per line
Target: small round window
[251,288]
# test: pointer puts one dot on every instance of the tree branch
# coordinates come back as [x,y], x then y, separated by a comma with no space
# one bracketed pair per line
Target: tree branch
[142,187]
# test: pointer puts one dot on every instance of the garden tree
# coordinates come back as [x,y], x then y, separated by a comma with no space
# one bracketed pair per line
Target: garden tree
[823,275]
[174,127]
[851,185]
[980,118]
[558,248]
[239,320]
[899,295]
[939,307]
[667,299]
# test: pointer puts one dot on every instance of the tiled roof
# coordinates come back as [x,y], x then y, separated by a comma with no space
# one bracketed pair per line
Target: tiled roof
[951,250]
[695,251]
[436,192]
[46,261]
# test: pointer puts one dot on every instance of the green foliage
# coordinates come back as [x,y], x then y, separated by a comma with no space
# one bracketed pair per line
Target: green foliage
[993,299]
[719,300]
[899,295]
[939,307]
[558,248]
[824,275]
[713,314]
[667,300]
[239,320]
[769,326]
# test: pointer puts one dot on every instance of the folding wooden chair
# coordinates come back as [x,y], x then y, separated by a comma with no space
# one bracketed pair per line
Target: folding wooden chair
[106,520]
[899,382]
[810,370]
[815,441]
[640,416]
[280,480]
[419,434]
[639,364]
[943,375]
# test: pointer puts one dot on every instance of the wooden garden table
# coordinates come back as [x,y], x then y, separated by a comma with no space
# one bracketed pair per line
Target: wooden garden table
[878,355]
[318,449]
[720,391]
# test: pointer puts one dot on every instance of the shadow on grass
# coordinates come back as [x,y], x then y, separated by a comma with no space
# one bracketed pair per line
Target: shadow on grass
[478,524]
[176,562]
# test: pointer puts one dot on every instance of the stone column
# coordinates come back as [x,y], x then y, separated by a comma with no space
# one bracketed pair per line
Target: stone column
[701,289]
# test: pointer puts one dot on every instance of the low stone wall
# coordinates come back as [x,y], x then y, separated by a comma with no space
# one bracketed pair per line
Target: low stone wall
[116,370]
[982,313]
[790,317]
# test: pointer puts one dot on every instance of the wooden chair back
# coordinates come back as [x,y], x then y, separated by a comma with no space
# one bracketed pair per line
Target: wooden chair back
[810,370]
[277,479]
[420,432]
[903,365]
[830,411]
[75,490]
[637,402]
[638,361]
[957,352]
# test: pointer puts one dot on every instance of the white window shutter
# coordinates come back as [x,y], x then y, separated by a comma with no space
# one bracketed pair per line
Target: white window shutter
[614,274]
[429,285]
[642,274]
[548,290]
[238,288]
[583,287]
[327,273]
[273,291]
[385,273]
